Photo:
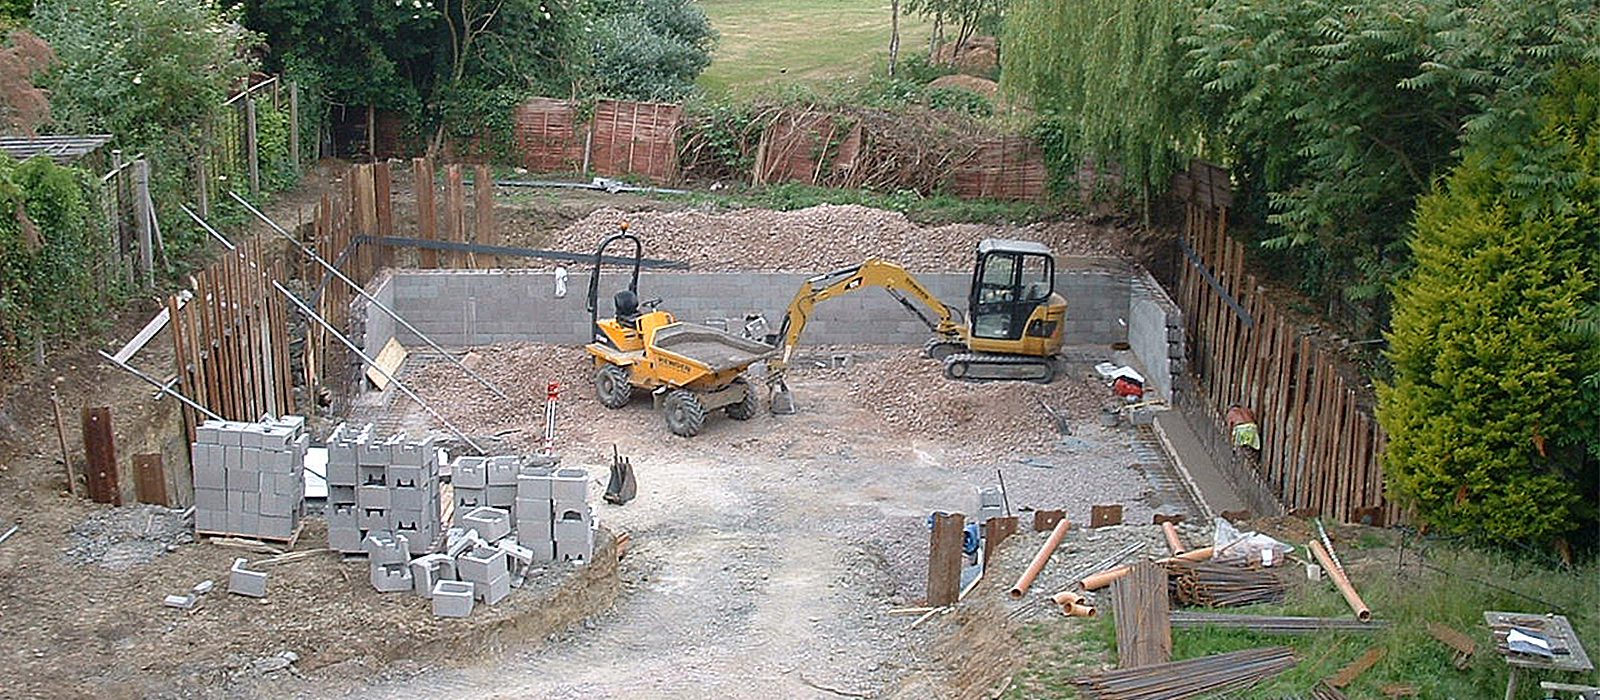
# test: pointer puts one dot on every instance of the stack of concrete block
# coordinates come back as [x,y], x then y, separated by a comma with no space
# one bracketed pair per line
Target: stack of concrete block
[484,481]
[249,478]
[554,521]
[486,569]
[381,486]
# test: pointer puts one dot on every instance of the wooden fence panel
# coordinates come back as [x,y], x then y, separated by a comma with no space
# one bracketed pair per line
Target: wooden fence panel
[1321,446]
[635,138]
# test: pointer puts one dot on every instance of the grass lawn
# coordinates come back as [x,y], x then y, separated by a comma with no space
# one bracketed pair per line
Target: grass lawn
[770,43]
[1454,593]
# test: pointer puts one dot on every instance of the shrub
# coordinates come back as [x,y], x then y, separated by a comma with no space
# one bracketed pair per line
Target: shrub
[1487,416]
[49,250]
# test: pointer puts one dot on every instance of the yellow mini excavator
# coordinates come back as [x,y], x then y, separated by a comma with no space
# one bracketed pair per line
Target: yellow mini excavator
[1012,330]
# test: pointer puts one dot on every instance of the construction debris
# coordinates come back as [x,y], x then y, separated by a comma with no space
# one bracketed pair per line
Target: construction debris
[1351,672]
[1139,602]
[1097,581]
[1212,585]
[127,536]
[1462,644]
[1272,624]
[243,581]
[1188,678]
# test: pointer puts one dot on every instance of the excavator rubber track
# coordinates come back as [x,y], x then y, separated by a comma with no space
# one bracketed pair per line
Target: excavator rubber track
[984,367]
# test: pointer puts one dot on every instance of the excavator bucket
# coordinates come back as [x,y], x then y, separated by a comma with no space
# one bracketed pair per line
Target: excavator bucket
[781,401]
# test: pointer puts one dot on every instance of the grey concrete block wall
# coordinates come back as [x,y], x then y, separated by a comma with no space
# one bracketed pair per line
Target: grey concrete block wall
[465,308]
[1155,334]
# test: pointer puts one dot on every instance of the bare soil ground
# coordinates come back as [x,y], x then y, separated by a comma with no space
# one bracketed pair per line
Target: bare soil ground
[767,553]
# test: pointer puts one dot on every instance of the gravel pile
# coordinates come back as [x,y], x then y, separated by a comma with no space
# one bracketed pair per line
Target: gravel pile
[910,393]
[818,238]
[521,370]
[119,538]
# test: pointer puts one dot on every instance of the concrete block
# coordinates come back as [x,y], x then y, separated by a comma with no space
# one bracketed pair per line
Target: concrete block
[340,515]
[276,438]
[230,434]
[533,509]
[243,479]
[249,524]
[343,454]
[501,496]
[182,602]
[491,523]
[373,497]
[372,518]
[502,470]
[518,560]
[373,454]
[209,432]
[405,498]
[278,527]
[235,501]
[569,484]
[295,424]
[469,472]
[459,541]
[269,462]
[278,505]
[428,571]
[372,475]
[536,528]
[544,551]
[250,435]
[382,546]
[481,565]
[573,513]
[452,599]
[210,499]
[251,502]
[390,577]
[341,473]
[404,476]
[244,582]
[573,541]
[494,590]
[413,454]
[344,539]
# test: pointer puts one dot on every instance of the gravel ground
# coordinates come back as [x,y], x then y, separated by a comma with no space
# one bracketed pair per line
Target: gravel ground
[822,237]
[767,553]
[120,538]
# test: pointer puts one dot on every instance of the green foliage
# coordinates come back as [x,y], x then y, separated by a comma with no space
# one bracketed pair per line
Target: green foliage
[50,247]
[1337,117]
[14,12]
[360,53]
[1487,416]
[650,50]
[1108,77]
[968,17]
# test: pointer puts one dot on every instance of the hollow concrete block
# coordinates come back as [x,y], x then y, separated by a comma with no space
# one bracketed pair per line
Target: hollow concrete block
[491,523]
[244,582]
[481,565]
[493,591]
[452,599]
[427,571]
[470,472]
[569,484]
[390,577]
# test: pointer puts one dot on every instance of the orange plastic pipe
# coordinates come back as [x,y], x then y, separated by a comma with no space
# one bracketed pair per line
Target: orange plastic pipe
[1066,598]
[1175,544]
[1104,578]
[1026,580]
[1363,613]
[1078,610]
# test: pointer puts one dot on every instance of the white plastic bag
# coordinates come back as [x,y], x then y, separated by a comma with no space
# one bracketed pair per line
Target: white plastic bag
[1232,546]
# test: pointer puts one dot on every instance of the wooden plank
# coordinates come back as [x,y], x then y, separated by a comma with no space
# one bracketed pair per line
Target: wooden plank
[1299,410]
[427,217]
[1349,673]
[383,208]
[150,479]
[100,451]
[483,209]
[455,203]
[1140,607]
[945,559]
[389,360]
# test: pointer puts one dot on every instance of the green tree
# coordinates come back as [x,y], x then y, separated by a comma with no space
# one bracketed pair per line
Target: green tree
[49,248]
[1108,79]
[647,49]
[1487,416]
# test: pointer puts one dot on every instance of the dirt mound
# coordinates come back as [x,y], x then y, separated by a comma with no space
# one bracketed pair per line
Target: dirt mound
[970,83]
[818,238]
[978,56]
[990,418]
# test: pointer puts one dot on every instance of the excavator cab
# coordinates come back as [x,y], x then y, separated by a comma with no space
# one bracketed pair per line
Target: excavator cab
[1012,307]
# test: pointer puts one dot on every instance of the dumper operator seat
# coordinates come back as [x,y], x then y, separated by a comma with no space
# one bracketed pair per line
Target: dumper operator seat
[627,305]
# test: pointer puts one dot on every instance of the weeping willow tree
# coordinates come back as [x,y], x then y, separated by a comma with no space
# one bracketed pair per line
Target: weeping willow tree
[1107,76]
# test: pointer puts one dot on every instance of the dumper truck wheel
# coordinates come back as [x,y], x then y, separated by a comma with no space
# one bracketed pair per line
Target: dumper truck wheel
[684,412]
[612,387]
[746,408]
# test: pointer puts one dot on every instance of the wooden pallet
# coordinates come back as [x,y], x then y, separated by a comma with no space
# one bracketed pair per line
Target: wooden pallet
[251,542]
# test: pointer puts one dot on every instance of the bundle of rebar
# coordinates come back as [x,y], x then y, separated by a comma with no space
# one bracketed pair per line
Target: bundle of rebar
[1272,624]
[1188,678]
[1212,585]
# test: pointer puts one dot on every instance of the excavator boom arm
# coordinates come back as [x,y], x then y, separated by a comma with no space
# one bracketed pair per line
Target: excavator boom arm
[873,272]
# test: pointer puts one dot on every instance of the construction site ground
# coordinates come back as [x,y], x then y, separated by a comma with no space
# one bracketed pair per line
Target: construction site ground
[765,557]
